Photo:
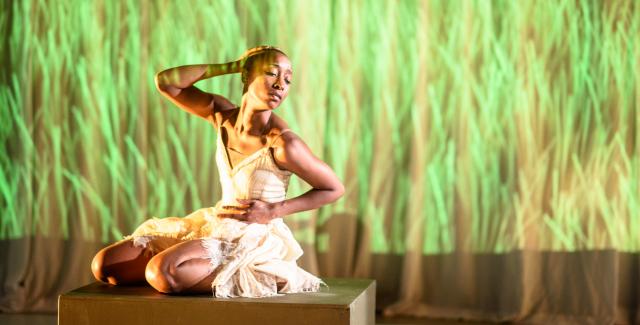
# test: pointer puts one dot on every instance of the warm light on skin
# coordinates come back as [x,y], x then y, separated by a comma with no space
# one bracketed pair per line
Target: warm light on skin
[482,135]
[271,73]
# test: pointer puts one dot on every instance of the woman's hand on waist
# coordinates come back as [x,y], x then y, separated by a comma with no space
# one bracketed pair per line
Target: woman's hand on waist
[250,211]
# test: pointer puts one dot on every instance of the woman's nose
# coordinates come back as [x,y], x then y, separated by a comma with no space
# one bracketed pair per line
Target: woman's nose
[278,84]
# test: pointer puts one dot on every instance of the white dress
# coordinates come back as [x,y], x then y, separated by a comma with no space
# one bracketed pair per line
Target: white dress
[249,259]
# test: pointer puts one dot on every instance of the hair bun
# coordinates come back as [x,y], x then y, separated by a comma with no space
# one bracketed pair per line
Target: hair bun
[259,49]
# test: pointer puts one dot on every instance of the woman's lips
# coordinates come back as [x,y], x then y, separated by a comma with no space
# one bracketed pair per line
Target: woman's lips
[276,96]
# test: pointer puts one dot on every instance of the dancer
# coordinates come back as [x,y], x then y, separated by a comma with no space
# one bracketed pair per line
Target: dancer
[240,247]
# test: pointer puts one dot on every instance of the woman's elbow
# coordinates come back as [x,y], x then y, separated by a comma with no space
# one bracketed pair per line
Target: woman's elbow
[159,81]
[163,87]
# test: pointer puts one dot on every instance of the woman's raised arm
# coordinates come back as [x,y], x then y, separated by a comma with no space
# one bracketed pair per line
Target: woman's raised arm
[177,85]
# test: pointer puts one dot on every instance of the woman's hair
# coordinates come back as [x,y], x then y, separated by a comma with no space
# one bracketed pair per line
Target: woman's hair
[254,53]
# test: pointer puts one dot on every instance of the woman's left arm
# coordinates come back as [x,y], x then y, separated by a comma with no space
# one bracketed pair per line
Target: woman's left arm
[293,154]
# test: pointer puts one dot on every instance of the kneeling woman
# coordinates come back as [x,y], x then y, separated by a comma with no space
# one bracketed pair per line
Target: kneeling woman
[241,246]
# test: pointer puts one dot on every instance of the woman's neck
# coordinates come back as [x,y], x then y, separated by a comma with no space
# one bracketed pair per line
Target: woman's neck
[251,120]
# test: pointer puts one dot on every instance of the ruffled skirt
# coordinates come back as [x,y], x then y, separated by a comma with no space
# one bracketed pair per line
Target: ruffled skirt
[249,259]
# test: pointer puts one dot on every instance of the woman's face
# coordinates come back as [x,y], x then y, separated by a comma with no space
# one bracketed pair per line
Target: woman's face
[269,78]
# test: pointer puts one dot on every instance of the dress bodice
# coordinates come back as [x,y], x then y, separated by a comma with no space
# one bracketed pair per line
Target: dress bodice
[255,177]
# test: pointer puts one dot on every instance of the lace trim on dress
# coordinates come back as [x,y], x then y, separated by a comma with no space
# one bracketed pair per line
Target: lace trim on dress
[152,244]
[218,251]
[142,241]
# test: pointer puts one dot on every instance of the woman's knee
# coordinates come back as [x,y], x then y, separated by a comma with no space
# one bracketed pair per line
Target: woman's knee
[171,271]
[97,266]
[111,263]
[159,275]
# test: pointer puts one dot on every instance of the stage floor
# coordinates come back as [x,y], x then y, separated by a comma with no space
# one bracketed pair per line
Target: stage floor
[50,319]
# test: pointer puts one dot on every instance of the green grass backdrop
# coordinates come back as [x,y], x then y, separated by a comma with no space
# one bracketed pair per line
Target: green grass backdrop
[482,126]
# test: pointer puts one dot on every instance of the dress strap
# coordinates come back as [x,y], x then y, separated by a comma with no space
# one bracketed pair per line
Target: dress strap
[277,136]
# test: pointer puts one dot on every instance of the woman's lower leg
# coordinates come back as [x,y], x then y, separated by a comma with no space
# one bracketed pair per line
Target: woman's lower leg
[194,275]
[120,263]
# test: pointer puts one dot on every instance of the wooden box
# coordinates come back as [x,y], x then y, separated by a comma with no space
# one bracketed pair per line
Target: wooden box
[345,301]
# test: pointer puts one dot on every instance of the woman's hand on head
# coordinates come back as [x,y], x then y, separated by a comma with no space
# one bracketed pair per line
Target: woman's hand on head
[251,52]
[250,211]
[240,62]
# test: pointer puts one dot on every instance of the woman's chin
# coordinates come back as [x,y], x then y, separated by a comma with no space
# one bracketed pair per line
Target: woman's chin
[273,104]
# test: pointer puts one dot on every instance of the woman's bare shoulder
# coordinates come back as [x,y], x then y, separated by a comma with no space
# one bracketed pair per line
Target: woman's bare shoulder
[290,152]
[286,140]
[225,112]
[279,129]
[278,123]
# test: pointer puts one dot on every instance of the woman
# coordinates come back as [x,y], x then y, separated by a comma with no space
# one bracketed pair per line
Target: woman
[240,247]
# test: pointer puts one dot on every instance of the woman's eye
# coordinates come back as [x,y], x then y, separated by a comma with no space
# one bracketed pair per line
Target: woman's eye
[287,81]
[271,74]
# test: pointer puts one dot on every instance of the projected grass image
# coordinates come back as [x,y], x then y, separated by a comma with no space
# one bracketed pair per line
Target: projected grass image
[482,126]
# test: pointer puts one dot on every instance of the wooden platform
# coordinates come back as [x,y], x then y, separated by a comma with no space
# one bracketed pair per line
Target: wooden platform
[346,301]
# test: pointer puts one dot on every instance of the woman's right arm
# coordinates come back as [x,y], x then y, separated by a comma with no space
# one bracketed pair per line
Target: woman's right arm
[177,85]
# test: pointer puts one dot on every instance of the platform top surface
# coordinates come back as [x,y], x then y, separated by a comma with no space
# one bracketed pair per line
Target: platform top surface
[340,293]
